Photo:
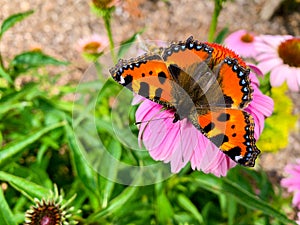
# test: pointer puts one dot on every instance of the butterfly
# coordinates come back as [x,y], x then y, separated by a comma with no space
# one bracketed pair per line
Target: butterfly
[206,83]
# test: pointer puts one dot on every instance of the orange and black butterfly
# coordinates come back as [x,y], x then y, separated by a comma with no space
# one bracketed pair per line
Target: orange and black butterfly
[204,82]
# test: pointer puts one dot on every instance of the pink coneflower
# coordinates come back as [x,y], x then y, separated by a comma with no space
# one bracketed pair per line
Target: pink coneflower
[298,220]
[92,47]
[292,183]
[280,55]
[179,143]
[94,44]
[242,42]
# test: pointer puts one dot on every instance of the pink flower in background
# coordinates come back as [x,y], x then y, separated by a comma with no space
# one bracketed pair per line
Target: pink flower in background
[179,143]
[94,44]
[292,183]
[280,55]
[242,42]
[298,221]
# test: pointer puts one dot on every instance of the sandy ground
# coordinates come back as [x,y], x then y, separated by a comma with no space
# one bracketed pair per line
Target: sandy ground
[56,26]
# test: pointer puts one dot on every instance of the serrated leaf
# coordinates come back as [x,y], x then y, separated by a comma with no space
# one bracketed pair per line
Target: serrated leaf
[27,188]
[13,19]
[6,215]
[33,59]
[10,151]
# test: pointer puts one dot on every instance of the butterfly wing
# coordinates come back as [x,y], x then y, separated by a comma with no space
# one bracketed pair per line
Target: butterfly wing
[147,76]
[227,68]
[232,131]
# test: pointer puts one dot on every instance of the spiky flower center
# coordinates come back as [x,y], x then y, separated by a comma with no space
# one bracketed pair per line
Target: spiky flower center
[45,214]
[247,38]
[289,52]
[92,47]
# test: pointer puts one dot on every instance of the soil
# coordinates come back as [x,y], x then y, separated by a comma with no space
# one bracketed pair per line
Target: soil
[56,26]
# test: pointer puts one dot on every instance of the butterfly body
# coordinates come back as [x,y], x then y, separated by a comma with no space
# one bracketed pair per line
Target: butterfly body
[204,82]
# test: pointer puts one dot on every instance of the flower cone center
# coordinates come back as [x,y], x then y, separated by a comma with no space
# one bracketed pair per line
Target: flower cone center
[92,47]
[248,38]
[46,215]
[289,52]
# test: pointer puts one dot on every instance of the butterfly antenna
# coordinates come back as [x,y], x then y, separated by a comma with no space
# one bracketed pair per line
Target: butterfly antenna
[147,121]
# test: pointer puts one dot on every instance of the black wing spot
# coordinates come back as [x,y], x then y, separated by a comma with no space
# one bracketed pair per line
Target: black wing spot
[219,139]
[209,127]
[162,77]
[223,117]
[128,82]
[158,93]
[233,152]
[150,72]
[144,89]
[233,135]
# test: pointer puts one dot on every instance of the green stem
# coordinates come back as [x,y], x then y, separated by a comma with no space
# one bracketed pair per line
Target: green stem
[214,20]
[1,62]
[110,37]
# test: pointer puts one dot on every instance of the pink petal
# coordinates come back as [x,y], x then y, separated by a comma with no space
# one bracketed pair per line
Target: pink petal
[268,65]
[278,76]
[296,199]
[292,80]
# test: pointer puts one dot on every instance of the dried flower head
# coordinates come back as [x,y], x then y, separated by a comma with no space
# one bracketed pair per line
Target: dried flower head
[53,210]
[105,4]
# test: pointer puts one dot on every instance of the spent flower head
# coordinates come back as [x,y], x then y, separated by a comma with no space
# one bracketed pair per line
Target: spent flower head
[105,4]
[280,55]
[242,42]
[52,210]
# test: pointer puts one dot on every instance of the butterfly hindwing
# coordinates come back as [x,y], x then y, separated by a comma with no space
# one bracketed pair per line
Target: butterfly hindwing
[232,131]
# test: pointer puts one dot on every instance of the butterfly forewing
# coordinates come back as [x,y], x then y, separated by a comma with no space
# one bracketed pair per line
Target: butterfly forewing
[147,76]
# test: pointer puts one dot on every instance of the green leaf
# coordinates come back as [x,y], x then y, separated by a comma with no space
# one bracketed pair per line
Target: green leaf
[27,188]
[125,45]
[10,152]
[106,185]
[164,210]
[6,215]
[114,205]
[12,20]
[33,59]
[5,75]
[221,35]
[6,108]
[80,163]
[244,197]
[188,205]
